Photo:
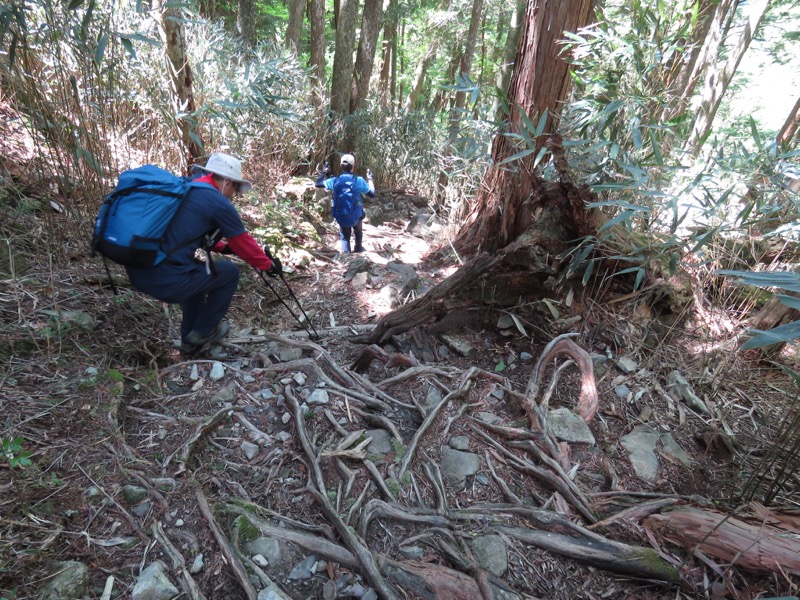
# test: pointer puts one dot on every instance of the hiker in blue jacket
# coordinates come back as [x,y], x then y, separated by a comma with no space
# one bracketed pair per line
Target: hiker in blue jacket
[207,219]
[348,208]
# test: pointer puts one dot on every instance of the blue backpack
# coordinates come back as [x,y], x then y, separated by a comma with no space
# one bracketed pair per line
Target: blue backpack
[347,205]
[132,224]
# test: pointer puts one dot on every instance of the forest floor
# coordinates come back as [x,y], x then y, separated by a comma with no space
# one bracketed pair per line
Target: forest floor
[129,440]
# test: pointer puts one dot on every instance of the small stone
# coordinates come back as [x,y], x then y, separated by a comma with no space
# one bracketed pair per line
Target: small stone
[195,374]
[197,565]
[260,561]
[498,393]
[459,442]
[525,356]
[286,380]
[141,510]
[217,371]
[286,418]
[133,494]
[91,371]
[623,391]
[283,436]
[267,394]
[70,581]
[249,449]
[299,378]
[153,584]
[627,364]
[162,433]
[318,397]
[179,523]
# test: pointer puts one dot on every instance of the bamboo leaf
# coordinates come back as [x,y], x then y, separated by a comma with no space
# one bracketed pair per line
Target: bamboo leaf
[778,335]
[625,215]
[552,307]
[101,48]
[517,156]
[520,328]
[786,280]
[790,301]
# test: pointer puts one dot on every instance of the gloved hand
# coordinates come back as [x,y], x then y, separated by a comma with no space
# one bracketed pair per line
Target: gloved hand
[326,170]
[267,251]
[276,269]
[369,174]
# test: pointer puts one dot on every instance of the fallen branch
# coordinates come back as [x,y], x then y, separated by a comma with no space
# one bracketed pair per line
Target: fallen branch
[188,583]
[225,546]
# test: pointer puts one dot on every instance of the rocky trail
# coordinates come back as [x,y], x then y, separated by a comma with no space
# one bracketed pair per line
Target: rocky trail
[528,451]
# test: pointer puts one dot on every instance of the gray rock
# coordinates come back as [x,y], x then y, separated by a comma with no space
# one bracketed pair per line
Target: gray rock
[197,565]
[273,592]
[460,442]
[269,548]
[217,371]
[457,465]
[318,397]
[412,552]
[227,393]
[433,398]
[299,378]
[641,447]
[132,494]
[600,364]
[283,436]
[267,394]
[390,295]
[381,441]
[489,418]
[261,561]
[492,553]
[525,356]
[69,582]
[623,391]
[569,427]
[289,354]
[498,393]
[443,351]
[142,510]
[678,385]
[304,569]
[406,278]
[459,344]
[153,584]
[627,365]
[672,449]
[505,322]
[360,280]
[249,449]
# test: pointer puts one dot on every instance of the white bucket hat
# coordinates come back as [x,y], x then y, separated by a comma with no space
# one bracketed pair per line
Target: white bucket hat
[227,166]
[348,159]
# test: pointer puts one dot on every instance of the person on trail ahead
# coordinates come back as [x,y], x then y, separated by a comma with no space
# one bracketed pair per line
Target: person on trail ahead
[348,208]
[207,219]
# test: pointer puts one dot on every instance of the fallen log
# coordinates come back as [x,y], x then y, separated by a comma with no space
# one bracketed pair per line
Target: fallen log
[758,545]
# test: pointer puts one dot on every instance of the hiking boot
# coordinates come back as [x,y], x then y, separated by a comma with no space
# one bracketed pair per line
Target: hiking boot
[196,340]
[360,249]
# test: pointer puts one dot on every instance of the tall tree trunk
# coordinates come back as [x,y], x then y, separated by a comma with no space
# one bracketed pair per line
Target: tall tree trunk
[465,66]
[539,83]
[342,78]
[371,25]
[703,55]
[789,129]
[294,27]
[412,102]
[316,16]
[245,21]
[180,74]
[503,77]
[389,46]
[717,80]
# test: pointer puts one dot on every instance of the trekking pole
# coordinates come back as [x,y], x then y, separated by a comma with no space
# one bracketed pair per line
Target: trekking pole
[312,337]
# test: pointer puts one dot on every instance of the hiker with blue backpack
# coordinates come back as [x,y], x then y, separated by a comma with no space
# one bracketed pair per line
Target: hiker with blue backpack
[198,214]
[348,207]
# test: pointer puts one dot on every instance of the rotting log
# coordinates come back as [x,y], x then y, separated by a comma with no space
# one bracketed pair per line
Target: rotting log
[758,545]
